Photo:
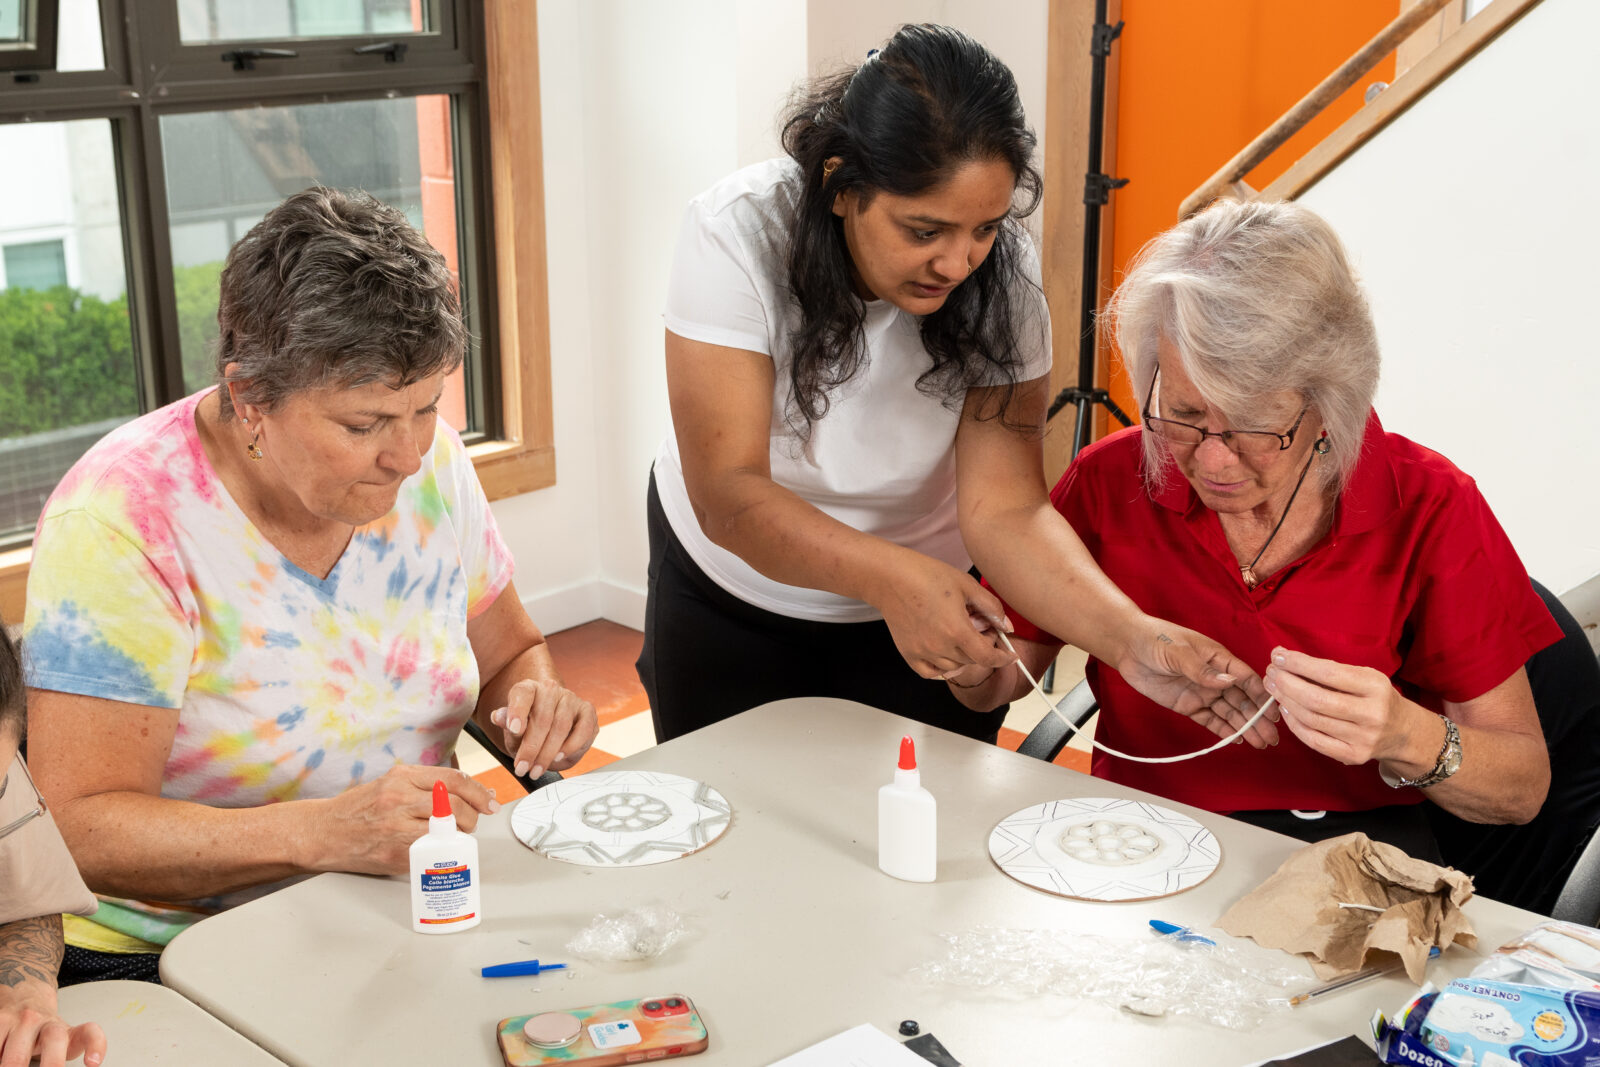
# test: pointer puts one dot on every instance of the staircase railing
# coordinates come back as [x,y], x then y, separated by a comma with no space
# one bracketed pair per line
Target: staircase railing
[1407,89]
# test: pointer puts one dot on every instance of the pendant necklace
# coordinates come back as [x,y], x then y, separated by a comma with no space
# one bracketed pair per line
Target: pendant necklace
[1248,571]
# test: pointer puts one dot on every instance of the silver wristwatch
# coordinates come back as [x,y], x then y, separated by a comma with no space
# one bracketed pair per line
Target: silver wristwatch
[1448,763]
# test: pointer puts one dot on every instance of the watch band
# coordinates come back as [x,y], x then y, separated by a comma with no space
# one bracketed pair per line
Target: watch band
[1447,763]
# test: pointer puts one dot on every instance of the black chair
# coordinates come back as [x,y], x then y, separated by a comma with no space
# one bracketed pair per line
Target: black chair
[1538,866]
[1579,901]
[475,732]
[1046,740]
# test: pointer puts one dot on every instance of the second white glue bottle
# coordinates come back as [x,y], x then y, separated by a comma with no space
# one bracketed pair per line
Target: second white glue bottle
[444,873]
[908,822]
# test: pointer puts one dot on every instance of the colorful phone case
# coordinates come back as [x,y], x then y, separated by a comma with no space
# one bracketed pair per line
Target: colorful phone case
[611,1035]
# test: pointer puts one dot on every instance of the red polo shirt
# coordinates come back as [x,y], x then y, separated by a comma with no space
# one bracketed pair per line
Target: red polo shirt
[1415,578]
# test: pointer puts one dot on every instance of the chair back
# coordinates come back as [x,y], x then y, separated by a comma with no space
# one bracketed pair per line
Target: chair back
[474,731]
[1046,740]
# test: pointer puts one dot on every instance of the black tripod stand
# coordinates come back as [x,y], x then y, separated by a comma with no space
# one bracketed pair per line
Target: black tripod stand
[1097,188]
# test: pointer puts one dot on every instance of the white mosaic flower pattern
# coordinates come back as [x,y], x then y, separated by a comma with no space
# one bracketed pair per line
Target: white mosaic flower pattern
[625,811]
[1100,848]
[621,818]
[1110,844]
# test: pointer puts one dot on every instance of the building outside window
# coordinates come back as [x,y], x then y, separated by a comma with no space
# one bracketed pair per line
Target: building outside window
[167,129]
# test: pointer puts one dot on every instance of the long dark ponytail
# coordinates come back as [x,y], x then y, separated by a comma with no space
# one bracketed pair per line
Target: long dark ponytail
[929,101]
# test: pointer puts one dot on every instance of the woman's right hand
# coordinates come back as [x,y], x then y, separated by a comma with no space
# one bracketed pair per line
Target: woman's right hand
[369,828]
[939,617]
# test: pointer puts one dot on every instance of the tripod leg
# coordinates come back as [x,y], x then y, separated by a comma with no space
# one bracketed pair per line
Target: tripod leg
[1080,433]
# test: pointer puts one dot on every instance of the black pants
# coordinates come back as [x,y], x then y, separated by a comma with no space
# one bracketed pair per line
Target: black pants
[1403,825]
[79,965]
[709,655]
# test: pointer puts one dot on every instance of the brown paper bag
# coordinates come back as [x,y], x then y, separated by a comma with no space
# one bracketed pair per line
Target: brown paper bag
[1418,905]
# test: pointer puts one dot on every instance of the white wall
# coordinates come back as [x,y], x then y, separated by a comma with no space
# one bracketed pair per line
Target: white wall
[645,105]
[1471,218]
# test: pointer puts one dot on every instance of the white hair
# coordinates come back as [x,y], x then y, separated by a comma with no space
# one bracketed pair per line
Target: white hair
[1256,298]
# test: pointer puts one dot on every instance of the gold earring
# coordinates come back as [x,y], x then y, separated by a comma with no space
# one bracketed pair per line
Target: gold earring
[828,167]
[252,449]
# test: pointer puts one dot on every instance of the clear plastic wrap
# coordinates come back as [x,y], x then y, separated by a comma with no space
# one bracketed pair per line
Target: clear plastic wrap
[641,933]
[1236,986]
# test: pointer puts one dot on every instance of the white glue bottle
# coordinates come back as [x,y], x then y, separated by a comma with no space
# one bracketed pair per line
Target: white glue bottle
[908,823]
[444,873]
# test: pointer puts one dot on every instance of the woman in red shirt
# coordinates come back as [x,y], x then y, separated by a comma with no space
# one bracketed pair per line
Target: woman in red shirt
[1263,502]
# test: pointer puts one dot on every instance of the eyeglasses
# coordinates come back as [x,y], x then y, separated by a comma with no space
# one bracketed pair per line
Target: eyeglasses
[38,803]
[1241,442]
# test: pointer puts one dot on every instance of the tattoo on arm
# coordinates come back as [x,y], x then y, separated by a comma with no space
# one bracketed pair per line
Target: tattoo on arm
[31,949]
[1164,639]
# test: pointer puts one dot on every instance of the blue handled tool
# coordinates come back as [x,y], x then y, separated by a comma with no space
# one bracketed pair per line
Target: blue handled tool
[1183,934]
[520,968]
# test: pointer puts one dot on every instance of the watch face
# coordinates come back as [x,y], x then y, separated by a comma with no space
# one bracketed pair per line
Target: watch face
[1450,759]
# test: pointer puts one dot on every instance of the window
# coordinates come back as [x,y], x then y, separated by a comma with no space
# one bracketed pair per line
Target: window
[27,34]
[168,127]
[35,265]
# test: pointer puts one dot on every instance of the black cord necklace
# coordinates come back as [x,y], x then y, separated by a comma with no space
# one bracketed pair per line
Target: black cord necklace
[1248,571]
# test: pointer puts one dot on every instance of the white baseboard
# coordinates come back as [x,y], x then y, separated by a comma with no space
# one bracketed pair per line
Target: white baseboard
[622,605]
[562,609]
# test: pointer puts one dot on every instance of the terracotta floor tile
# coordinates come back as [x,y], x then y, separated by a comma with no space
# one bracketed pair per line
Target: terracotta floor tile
[596,662]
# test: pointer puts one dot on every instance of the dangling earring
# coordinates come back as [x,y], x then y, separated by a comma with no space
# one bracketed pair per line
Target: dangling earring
[252,449]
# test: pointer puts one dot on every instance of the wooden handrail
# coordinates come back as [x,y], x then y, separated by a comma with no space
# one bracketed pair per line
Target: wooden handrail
[1407,89]
[1333,86]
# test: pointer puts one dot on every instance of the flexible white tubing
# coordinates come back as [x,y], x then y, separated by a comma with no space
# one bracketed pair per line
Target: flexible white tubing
[1037,688]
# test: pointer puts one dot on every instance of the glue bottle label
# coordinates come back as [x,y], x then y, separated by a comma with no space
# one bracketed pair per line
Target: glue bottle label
[446,891]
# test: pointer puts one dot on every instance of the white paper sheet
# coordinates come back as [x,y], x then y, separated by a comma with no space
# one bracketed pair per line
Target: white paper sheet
[864,1046]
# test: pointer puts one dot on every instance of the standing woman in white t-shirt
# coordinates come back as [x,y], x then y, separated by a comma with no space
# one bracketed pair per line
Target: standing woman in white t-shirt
[857,361]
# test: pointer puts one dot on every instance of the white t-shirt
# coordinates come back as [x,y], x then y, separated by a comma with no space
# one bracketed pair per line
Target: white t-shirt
[882,459]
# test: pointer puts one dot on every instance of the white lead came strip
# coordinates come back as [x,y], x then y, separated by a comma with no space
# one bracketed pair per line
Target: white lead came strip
[1037,688]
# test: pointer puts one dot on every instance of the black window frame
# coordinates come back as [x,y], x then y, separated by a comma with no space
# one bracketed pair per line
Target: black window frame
[149,73]
[39,51]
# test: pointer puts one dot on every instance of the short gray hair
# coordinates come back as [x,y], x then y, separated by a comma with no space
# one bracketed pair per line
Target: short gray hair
[1256,297]
[334,288]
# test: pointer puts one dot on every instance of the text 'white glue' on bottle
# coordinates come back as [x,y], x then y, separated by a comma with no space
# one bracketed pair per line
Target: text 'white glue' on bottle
[444,873]
[908,822]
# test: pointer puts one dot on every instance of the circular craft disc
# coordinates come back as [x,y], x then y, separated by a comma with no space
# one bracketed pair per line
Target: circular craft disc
[1104,849]
[553,1029]
[621,818]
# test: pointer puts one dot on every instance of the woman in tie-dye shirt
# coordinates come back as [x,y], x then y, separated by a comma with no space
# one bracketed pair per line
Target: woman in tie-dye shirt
[258,617]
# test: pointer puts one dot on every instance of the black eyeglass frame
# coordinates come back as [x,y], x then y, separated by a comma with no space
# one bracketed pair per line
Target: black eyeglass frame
[1227,437]
[39,806]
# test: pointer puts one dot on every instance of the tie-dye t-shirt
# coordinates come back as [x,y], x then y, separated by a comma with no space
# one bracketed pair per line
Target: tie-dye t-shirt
[150,586]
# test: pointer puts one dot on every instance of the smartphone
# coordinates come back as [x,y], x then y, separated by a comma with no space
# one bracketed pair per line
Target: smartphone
[604,1035]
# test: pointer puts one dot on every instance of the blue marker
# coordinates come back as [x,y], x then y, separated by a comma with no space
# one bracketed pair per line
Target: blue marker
[521,968]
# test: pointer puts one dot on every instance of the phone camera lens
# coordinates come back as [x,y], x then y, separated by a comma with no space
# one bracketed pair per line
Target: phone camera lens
[674,1003]
[652,1005]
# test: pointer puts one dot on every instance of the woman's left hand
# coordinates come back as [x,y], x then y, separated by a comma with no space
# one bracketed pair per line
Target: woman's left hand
[545,726]
[1194,676]
[1351,714]
[30,1034]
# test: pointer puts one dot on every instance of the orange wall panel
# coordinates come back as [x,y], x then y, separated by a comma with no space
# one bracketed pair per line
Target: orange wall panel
[1200,79]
